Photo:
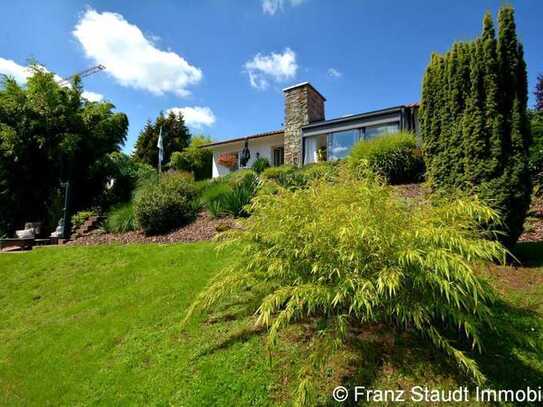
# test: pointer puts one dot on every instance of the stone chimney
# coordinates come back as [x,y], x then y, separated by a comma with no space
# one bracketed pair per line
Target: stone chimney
[303,105]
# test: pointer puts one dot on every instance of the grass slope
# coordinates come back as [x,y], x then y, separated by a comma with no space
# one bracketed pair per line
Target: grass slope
[101,325]
[88,325]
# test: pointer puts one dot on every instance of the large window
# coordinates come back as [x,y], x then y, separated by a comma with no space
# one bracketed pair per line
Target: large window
[312,146]
[374,131]
[340,143]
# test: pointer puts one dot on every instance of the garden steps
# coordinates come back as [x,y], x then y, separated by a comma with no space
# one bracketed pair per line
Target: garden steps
[91,224]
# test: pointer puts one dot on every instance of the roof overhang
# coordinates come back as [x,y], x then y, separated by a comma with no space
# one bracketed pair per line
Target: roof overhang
[241,139]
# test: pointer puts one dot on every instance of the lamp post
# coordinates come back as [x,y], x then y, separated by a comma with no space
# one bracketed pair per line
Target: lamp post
[66,212]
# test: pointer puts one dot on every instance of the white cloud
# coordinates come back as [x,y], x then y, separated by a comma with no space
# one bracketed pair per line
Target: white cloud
[92,96]
[334,73]
[273,6]
[11,68]
[195,116]
[130,57]
[275,66]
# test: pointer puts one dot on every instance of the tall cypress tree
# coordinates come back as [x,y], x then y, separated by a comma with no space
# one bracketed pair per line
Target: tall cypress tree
[475,140]
[455,111]
[539,93]
[492,108]
[475,126]
[429,120]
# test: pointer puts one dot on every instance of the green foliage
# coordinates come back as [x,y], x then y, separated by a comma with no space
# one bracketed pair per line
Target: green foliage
[474,122]
[351,253]
[126,175]
[81,217]
[194,159]
[260,164]
[233,197]
[287,176]
[395,157]
[175,135]
[539,93]
[121,219]
[536,150]
[50,134]
[169,204]
[210,189]
[326,170]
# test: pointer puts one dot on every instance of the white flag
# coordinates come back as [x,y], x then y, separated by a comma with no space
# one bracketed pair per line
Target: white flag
[160,146]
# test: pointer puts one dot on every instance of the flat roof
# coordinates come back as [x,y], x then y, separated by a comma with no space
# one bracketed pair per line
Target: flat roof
[338,120]
[299,85]
[250,137]
[358,116]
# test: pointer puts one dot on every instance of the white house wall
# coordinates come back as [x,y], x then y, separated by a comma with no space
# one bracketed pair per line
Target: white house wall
[263,146]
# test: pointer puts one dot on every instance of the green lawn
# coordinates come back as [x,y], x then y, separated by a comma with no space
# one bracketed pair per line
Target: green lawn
[89,325]
[101,325]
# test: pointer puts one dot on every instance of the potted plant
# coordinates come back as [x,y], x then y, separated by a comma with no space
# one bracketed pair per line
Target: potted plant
[228,160]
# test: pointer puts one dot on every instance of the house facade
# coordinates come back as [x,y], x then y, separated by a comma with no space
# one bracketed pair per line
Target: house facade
[307,137]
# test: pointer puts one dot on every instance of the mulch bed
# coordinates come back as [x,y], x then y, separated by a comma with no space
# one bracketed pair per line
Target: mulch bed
[203,228]
[206,228]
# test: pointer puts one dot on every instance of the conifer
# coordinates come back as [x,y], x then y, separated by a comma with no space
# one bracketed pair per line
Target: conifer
[476,131]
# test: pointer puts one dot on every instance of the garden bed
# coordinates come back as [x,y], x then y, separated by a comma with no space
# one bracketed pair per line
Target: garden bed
[533,228]
[203,228]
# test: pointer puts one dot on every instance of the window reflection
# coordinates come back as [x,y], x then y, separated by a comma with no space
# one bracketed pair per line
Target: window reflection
[340,143]
[375,131]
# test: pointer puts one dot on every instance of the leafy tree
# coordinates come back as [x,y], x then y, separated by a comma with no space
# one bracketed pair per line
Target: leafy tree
[125,174]
[474,121]
[49,135]
[194,158]
[175,135]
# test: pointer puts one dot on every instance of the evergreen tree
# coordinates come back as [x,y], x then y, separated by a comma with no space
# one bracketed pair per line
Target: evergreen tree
[175,135]
[474,122]
[493,117]
[456,96]
[539,93]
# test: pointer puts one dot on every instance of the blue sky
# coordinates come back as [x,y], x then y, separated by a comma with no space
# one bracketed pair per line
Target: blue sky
[224,62]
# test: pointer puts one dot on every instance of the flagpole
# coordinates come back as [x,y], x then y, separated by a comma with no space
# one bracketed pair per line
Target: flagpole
[160,146]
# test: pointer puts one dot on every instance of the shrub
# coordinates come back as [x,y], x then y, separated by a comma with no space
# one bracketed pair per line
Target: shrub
[242,187]
[286,176]
[395,157]
[167,205]
[351,253]
[81,217]
[327,170]
[211,189]
[121,219]
[260,164]
[126,175]
[194,159]
[240,177]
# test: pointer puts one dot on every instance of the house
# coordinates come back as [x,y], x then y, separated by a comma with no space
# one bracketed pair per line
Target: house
[307,137]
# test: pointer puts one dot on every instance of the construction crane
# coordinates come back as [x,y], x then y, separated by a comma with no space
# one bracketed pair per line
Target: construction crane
[83,74]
